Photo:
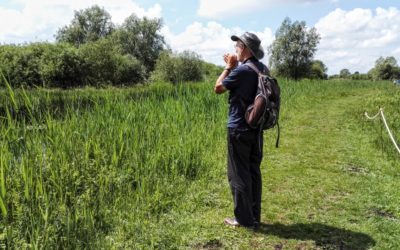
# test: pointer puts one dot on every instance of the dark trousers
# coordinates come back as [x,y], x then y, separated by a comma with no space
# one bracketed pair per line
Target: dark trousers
[244,175]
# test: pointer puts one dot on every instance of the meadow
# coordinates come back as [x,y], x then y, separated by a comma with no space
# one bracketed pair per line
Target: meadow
[145,168]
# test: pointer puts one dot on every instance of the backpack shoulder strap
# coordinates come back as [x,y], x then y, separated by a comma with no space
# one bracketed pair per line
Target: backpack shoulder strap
[253,67]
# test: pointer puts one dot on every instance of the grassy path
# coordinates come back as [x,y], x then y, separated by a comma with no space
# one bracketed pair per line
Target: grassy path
[322,188]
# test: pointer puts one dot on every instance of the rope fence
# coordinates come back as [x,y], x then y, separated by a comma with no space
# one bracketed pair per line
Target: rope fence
[380,112]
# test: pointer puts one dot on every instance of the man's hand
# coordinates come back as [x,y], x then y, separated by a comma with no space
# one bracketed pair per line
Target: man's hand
[230,60]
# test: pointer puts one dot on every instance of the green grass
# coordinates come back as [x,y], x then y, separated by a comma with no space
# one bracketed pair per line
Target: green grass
[145,168]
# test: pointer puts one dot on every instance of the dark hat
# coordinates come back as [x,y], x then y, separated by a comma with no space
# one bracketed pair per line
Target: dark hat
[252,42]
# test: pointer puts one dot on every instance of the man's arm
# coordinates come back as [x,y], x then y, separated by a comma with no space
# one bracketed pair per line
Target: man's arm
[231,62]
[219,87]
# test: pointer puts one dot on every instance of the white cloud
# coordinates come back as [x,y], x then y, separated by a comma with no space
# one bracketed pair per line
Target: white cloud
[355,39]
[396,52]
[227,8]
[211,40]
[349,39]
[40,19]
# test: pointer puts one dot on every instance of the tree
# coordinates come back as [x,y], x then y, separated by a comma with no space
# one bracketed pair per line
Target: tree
[140,38]
[344,73]
[356,76]
[390,60]
[396,73]
[89,24]
[293,49]
[318,70]
[385,69]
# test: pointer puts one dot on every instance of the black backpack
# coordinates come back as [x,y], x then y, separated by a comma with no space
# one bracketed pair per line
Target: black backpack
[263,113]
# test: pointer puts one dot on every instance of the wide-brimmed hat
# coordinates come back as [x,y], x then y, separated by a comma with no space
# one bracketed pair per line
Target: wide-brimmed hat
[252,42]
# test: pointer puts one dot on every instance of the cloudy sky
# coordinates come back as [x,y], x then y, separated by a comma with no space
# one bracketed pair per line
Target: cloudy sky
[354,33]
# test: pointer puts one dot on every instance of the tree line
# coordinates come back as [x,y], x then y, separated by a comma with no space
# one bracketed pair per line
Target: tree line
[92,50]
[386,68]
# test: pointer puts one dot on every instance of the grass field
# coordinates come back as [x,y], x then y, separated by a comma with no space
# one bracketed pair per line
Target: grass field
[145,168]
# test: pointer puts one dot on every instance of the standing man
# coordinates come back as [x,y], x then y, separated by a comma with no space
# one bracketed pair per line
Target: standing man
[244,144]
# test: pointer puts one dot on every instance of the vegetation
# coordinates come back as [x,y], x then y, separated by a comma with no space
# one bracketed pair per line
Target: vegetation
[93,51]
[88,25]
[385,69]
[140,38]
[292,51]
[97,64]
[63,65]
[182,67]
[145,168]
[318,70]
[345,73]
[137,37]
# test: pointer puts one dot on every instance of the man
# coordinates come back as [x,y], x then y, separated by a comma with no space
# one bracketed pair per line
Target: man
[244,143]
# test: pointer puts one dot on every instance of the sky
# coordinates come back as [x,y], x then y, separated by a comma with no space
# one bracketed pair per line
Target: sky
[354,33]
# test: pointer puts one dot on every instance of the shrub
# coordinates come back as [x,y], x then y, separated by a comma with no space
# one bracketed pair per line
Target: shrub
[211,71]
[104,64]
[177,68]
[61,66]
[129,70]
[21,63]
[189,66]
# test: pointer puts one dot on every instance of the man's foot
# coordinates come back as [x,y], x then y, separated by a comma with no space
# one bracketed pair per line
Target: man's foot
[231,222]
[256,226]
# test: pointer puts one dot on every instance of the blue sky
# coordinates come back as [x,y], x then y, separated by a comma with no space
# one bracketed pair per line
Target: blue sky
[272,16]
[354,33]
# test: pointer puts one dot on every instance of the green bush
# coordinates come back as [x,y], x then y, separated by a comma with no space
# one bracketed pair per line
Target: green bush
[189,66]
[211,71]
[63,65]
[7,56]
[176,68]
[165,68]
[21,63]
[129,70]
[105,64]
